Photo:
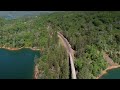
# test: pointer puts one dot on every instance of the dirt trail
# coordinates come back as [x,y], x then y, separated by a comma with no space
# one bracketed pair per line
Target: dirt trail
[66,44]
[70,52]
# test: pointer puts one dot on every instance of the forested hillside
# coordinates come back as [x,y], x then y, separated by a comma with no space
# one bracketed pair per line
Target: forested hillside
[89,33]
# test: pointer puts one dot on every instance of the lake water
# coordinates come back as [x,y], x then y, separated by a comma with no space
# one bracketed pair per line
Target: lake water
[112,74]
[17,64]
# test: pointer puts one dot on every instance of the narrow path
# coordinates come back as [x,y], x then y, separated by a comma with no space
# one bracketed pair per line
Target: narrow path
[70,52]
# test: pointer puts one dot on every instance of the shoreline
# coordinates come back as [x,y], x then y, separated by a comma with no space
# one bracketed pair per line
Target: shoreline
[13,49]
[36,72]
[108,68]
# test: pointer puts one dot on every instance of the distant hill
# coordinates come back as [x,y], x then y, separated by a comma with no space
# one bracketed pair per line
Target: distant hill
[14,14]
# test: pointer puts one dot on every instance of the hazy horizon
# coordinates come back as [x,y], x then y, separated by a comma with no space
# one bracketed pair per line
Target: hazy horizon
[21,13]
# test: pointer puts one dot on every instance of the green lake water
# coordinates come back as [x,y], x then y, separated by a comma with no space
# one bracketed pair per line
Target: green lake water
[112,74]
[18,64]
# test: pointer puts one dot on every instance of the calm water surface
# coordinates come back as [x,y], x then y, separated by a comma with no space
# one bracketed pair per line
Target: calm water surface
[17,64]
[112,74]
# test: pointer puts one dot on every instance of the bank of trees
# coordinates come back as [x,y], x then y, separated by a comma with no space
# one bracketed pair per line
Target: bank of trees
[54,63]
[23,33]
[90,33]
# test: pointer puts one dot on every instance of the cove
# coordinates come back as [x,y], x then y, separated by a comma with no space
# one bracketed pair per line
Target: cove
[112,74]
[17,64]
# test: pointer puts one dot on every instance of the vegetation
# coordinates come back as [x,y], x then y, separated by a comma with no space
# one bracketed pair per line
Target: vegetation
[89,33]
